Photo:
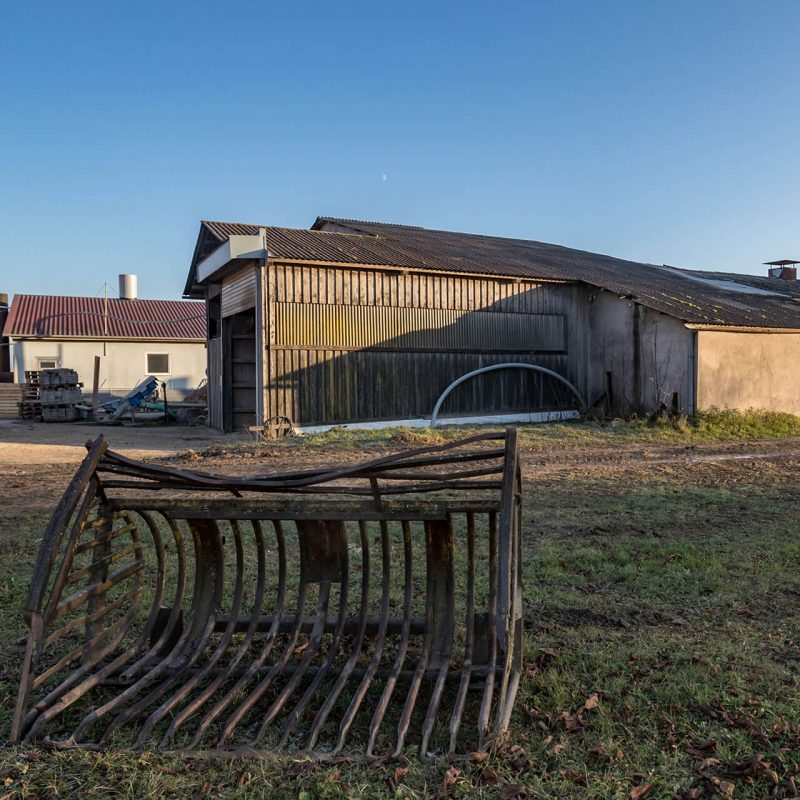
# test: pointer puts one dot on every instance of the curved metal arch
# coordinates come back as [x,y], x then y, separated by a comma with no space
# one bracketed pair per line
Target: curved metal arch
[492,368]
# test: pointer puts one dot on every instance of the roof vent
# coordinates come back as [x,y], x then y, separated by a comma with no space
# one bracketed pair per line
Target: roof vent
[127,287]
[784,268]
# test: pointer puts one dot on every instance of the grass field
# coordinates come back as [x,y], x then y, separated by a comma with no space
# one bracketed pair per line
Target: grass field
[662,658]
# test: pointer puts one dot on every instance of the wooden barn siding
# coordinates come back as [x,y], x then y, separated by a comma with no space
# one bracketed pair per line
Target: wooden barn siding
[349,327]
[317,385]
[239,291]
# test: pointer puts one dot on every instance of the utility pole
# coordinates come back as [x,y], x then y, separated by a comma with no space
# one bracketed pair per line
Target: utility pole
[105,316]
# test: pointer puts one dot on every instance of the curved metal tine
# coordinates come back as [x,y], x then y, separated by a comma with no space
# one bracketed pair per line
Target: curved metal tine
[211,662]
[386,696]
[177,603]
[241,651]
[155,673]
[502,692]
[77,519]
[486,702]
[315,640]
[277,668]
[82,488]
[203,608]
[444,668]
[372,667]
[466,670]
[333,649]
[511,672]
[97,616]
[85,685]
[66,690]
[344,675]
[269,640]
[76,653]
[419,672]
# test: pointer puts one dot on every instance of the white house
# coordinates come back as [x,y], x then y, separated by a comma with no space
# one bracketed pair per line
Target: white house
[134,338]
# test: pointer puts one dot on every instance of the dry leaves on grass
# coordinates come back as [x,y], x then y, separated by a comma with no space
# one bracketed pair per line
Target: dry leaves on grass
[243,779]
[399,776]
[641,791]
[601,755]
[752,766]
[450,778]
[592,702]
[573,775]
[514,791]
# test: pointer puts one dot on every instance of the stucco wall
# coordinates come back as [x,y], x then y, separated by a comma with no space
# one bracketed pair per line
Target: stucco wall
[123,365]
[748,370]
[647,355]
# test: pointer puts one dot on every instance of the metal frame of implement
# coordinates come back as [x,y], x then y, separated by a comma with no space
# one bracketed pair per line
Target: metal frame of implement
[162,611]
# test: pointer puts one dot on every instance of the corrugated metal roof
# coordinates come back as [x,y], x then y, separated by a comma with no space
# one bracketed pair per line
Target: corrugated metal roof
[694,296]
[83,317]
[685,294]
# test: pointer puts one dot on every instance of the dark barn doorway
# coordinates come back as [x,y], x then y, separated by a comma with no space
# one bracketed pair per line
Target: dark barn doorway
[239,371]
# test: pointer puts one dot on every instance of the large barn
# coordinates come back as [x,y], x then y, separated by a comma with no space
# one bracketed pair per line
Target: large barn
[361,322]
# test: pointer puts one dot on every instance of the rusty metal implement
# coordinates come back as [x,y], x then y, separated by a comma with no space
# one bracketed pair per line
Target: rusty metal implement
[351,612]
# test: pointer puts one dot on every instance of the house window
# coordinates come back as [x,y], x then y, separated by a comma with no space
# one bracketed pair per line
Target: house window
[47,363]
[158,363]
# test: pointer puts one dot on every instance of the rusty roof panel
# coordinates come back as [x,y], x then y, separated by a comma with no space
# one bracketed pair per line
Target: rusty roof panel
[83,317]
[696,297]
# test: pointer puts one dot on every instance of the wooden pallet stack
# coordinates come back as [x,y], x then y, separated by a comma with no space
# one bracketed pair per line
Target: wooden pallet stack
[59,392]
[30,406]
[9,398]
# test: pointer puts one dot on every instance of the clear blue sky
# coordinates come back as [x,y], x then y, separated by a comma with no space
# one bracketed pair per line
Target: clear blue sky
[657,131]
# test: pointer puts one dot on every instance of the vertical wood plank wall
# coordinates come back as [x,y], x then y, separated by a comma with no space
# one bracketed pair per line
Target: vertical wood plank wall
[402,377]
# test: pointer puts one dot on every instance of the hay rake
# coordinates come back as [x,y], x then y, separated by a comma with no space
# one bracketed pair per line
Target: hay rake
[328,612]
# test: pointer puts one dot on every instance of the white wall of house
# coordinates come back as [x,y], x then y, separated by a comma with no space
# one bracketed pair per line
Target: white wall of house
[122,363]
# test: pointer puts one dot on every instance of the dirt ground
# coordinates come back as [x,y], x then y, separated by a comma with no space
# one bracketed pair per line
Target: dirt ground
[24,442]
[37,460]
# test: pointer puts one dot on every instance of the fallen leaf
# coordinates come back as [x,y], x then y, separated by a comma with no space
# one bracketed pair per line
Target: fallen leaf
[591,703]
[450,777]
[489,776]
[477,755]
[638,792]
[726,788]
[400,774]
[244,779]
[706,763]
[573,775]
[514,791]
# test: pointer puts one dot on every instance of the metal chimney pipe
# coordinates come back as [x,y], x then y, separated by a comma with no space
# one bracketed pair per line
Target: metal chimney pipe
[128,287]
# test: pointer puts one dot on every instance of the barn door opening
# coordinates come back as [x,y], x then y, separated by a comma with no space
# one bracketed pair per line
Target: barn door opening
[239,370]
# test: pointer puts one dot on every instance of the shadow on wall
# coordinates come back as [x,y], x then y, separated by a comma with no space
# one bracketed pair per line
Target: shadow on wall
[349,363]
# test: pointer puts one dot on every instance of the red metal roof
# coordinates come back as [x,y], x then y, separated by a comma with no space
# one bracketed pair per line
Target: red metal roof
[85,318]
